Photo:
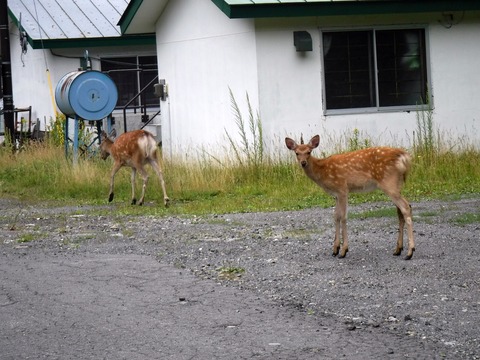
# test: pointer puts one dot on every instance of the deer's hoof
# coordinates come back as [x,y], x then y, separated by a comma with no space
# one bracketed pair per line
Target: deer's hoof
[343,254]
[410,254]
[397,252]
[166,202]
[134,201]
[110,197]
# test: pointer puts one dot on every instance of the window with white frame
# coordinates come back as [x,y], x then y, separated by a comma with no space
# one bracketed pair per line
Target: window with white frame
[375,69]
[131,75]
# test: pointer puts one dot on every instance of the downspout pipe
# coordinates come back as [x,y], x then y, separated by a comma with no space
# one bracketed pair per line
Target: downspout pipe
[8,108]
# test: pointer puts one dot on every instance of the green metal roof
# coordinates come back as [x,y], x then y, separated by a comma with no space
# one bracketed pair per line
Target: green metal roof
[297,8]
[52,24]
[141,15]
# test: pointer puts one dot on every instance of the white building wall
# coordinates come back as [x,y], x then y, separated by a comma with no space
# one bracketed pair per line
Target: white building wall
[30,80]
[201,55]
[291,83]
[455,68]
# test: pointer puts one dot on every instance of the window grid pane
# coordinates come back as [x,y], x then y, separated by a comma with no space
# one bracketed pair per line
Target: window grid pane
[148,65]
[123,72]
[350,60]
[401,67]
[130,75]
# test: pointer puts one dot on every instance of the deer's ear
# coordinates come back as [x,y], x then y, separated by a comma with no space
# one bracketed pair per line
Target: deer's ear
[290,143]
[113,133]
[314,141]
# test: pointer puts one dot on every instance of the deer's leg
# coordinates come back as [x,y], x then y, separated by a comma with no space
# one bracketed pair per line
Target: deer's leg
[401,225]
[157,169]
[132,180]
[340,226]
[116,167]
[336,242]
[144,175]
[411,241]
[343,223]
[405,209]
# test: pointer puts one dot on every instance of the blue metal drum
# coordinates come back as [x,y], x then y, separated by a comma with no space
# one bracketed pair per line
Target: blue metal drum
[90,95]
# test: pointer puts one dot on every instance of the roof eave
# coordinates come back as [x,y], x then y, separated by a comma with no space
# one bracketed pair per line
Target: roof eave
[129,14]
[146,39]
[140,16]
[336,8]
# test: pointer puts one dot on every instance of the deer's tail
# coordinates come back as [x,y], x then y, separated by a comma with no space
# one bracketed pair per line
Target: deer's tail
[404,163]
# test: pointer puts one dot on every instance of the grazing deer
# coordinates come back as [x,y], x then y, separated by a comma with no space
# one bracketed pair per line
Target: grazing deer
[381,168]
[134,149]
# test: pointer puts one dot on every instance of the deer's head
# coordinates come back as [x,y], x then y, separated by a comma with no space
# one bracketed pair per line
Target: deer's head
[105,143]
[303,151]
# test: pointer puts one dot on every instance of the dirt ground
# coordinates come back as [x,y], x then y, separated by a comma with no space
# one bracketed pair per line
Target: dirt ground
[77,283]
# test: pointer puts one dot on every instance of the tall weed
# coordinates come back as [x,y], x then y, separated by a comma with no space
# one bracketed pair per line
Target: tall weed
[250,150]
[357,141]
[426,138]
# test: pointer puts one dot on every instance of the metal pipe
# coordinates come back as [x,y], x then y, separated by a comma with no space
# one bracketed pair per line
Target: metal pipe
[8,108]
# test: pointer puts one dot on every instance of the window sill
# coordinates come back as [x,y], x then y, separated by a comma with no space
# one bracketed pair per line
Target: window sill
[390,109]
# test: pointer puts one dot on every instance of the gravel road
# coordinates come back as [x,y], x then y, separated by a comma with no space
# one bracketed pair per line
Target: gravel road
[273,272]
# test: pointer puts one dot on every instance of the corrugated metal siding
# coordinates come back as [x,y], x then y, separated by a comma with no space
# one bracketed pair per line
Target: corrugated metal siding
[69,19]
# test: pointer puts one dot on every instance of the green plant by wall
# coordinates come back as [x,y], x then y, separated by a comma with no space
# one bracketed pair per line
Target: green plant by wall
[425,137]
[355,142]
[56,135]
[250,150]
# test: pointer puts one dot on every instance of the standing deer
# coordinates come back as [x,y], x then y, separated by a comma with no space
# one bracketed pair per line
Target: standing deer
[381,168]
[134,149]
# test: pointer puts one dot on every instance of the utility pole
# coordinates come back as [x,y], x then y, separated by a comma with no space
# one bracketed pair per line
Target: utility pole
[8,108]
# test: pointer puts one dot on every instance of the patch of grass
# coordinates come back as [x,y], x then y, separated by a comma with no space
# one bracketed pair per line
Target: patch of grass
[245,179]
[376,213]
[302,234]
[27,237]
[41,173]
[429,213]
[443,166]
[230,272]
[74,242]
[447,174]
[468,218]
[311,311]
[428,217]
